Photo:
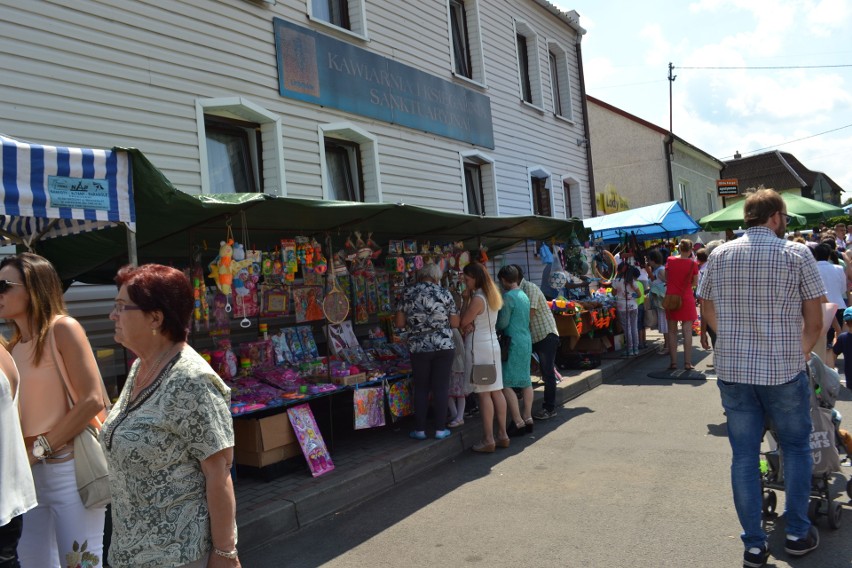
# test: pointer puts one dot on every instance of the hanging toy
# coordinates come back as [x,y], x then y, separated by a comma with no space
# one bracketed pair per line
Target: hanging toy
[266,265]
[320,263]
[201,310]
[377,250]
[220,268]
[288,259]
[483,256]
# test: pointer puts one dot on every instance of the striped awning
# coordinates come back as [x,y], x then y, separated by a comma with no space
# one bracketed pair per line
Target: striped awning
[51,191]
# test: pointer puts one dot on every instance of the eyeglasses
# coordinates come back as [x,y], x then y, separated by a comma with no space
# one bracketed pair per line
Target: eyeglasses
[6,284]
[787,218]
[120,307]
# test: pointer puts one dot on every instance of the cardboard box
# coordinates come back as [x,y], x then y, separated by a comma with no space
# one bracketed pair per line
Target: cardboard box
[350,379]
[268,457]
[595,344]
[263,434]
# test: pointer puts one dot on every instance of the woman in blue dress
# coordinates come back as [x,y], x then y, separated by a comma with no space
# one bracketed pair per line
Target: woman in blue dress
[514,321]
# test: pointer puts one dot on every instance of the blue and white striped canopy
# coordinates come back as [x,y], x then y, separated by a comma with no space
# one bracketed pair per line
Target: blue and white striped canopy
[50,191]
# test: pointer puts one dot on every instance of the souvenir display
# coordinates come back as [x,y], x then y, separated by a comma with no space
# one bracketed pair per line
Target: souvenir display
[307,303]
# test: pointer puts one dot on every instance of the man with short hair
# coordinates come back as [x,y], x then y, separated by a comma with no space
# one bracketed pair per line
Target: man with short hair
[840,236]
[545,342]
[762,294]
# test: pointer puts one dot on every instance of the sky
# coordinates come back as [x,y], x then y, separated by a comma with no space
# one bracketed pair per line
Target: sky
[807,112]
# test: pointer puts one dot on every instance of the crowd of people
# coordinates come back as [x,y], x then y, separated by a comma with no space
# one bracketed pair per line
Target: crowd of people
[168,441]
[491,326]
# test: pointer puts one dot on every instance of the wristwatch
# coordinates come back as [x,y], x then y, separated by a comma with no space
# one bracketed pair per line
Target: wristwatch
[41,448]
[231,555]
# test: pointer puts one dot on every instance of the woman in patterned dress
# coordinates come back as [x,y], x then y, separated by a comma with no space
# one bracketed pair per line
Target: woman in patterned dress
[429,312]
[169,439]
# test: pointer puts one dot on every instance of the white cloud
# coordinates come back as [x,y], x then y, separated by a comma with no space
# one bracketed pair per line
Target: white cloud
[826,16]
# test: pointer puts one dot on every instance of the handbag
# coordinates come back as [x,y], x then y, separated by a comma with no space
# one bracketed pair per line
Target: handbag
[486,374]
[90,465]
[505,341]
[673,302]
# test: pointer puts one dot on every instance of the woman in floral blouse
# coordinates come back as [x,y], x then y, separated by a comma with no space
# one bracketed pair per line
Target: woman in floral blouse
[429,312]
[169,439]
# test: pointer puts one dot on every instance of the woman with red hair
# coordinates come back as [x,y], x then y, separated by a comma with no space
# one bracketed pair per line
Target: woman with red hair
[169,439]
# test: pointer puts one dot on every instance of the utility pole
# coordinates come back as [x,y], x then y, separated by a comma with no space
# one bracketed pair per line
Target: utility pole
[671,81]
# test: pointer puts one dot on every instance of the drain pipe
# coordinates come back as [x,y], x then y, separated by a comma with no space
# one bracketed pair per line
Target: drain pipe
[586,134]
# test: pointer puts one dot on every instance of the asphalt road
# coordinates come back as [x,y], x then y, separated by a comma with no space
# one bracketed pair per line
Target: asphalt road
[632,474]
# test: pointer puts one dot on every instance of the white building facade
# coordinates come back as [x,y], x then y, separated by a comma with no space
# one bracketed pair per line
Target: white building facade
[464,105]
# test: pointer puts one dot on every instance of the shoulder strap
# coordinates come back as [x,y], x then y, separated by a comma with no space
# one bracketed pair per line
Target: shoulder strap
[66,382]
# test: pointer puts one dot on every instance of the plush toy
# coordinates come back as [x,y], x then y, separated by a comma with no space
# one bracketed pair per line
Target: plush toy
[220,268]
[239,252]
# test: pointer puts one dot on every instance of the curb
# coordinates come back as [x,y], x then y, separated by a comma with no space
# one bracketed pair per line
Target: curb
[366,481]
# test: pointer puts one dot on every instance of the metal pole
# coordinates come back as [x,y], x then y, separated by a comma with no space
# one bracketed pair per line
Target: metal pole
[671,81]
[131,248]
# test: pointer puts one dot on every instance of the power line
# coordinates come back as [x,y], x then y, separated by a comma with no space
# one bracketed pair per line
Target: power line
[774,67]
[792,141]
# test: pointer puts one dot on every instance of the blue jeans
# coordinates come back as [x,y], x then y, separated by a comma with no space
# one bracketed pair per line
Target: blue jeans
[787,406]
[546,351]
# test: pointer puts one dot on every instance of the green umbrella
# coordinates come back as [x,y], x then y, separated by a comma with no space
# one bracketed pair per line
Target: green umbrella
[804,212]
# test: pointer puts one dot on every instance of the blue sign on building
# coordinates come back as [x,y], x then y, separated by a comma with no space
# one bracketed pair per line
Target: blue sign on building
[319,69]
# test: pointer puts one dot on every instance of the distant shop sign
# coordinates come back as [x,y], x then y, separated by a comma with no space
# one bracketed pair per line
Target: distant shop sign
[319,69]
[727,187]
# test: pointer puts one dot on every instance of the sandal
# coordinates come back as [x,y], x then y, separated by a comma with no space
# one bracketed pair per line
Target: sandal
[688,368]
[672,367]
[456,423]
[483,448]
[502,442]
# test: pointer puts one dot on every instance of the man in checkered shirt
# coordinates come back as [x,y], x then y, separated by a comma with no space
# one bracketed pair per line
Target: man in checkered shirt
[763,294]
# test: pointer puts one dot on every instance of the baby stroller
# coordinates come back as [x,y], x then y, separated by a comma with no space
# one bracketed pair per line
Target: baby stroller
[825,386]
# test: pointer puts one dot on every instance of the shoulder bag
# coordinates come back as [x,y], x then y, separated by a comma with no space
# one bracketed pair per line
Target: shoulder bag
[486,374]
[673,302]
[90,464]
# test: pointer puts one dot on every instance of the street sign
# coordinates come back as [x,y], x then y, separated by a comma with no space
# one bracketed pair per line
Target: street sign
[727,187]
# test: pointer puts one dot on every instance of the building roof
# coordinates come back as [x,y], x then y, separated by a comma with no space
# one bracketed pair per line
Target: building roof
[775,169]
[571,18]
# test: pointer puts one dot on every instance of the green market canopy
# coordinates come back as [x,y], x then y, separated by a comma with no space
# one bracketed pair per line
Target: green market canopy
[172,226]
[805,212]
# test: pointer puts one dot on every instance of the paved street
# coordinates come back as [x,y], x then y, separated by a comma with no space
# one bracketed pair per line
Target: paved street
[632,474]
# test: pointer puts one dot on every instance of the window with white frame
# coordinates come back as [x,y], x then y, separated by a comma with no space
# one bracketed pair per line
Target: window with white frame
[529,69]
[465,39]
[560,81]
[240,147]
[346,15]
[683,188]
[350,163]
[479,183]
[542,200]
[573,206]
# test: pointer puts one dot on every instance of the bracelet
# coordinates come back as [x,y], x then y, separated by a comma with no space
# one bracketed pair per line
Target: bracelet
[231,555]
[43,439]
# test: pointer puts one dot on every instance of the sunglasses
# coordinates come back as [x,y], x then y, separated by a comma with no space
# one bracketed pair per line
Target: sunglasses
[6,284]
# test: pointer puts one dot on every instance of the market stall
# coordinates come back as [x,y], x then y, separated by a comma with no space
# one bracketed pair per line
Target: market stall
[262,269]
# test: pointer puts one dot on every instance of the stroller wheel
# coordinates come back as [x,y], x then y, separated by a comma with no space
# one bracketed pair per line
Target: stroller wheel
[770,502]
[813,509]
[835,511]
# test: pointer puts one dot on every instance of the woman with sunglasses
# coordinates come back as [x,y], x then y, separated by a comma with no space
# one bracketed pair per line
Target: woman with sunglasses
[169,439]
[31,301]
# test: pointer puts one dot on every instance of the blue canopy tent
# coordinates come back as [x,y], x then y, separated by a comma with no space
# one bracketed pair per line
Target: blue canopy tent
[50,191]
[652,222]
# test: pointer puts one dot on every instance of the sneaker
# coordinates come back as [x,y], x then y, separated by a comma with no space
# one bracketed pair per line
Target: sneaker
[441,434]
[801,546]
[756,557]
[417,435]
[544,414]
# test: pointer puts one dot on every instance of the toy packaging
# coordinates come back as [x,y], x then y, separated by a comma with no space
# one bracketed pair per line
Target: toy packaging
[310,439]
[307,303]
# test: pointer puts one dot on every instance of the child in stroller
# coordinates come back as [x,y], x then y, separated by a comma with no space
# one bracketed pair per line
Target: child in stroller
[825,439]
